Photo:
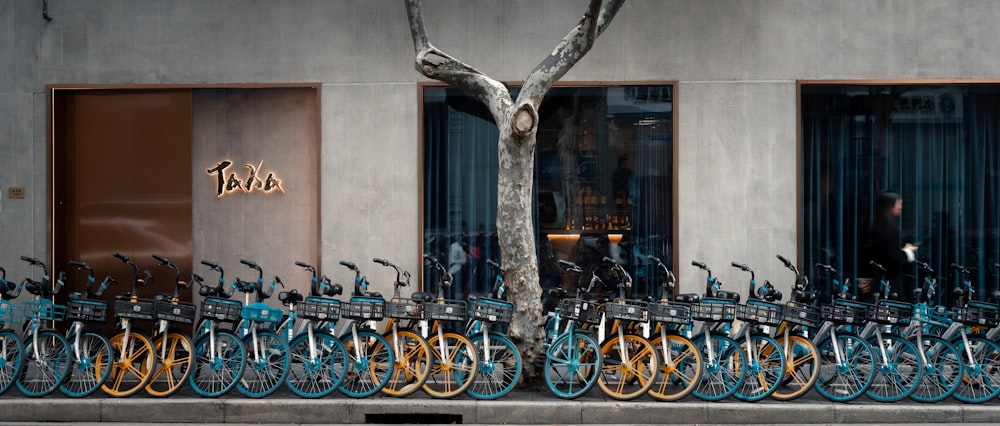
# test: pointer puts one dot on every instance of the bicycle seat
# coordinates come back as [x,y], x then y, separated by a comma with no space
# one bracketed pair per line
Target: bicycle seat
[803,296]
[688,298]
[557,292]
[422,296]
[371,294]
[76,295]
[722,294]
[290,297]
[648,299]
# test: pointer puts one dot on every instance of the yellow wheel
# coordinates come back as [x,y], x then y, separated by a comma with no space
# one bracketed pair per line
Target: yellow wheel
[454,362]
[630,367]
[173,364]
[132,364]
[680,368]
[413,363]
[801,368]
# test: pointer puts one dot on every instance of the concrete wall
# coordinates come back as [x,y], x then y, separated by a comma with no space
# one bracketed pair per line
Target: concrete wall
[736,61]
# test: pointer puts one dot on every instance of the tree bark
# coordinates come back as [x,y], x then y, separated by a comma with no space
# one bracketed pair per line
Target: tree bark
[517,121]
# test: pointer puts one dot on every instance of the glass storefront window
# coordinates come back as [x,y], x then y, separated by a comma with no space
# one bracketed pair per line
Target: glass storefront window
[603,174]
[937,146]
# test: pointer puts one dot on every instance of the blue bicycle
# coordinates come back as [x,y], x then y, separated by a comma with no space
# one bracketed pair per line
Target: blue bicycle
[46,352]
[499,360]
[90,350]
[317,359]
[11,348]
[219,353]
[267,353]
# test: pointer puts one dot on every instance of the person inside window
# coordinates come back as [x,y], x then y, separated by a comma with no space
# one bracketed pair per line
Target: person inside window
[888,249]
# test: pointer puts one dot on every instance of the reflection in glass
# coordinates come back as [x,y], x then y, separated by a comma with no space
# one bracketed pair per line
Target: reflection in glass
[602,187]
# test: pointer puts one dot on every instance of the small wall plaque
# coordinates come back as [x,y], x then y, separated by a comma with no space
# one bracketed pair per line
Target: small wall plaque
[15,192]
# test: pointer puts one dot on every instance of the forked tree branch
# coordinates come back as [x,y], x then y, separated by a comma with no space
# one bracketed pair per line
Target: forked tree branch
[438,65]
[569,51]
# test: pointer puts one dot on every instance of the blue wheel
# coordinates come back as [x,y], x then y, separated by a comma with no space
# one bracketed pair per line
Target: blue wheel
[943,371]
[572,365]
[315,371]
[497,375]
[11,357]
[91,364]
[369,364]
[266,364]
[899,373]
[981,379]
[846,377]
[724,367]
[215,373]
[764,371]
[45,365]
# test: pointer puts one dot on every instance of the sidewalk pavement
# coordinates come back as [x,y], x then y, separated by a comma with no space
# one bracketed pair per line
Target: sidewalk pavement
[516,408]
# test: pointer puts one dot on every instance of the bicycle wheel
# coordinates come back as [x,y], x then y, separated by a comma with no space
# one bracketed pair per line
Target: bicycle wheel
[680,368]
[497,375]
[981,381]
[369,365]
[942,373]
[132,364]
[266,364]
[174,359]
[453,358]
[764,371]
[90,364]
[848,378]
[315,369]
[413,363]
[801,368]
[46,364]
[214,374]
[11,358]
[897,375]
[629,369]
[724,370]
[572,364]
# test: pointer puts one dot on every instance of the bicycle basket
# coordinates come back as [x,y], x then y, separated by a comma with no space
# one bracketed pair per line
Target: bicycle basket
[891,312]
[446,310]
[845,312]
[628,310]
[319,309]
[760,312]
[87,310]
[719,310]
[45,310]
[10,314]
[142,309]
[260,312]
[978,313]
[224,310]
[364,309]
[405,309]
[580,310]
[181,312]
[492,310]
[674,313]
[801,314]
[932,316]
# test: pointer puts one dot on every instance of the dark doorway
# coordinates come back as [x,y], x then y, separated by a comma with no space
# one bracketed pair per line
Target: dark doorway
[122,183]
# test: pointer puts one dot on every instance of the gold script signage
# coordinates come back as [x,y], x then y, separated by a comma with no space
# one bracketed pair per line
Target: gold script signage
[252,182]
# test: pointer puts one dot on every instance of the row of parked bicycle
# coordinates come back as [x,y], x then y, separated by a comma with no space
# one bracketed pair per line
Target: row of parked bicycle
[254,347]
[667,347]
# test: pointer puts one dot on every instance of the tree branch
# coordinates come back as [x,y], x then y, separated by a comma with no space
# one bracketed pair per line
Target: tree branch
[438,65]
[568,52]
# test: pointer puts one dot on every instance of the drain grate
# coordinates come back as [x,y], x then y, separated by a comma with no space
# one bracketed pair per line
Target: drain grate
[414,418]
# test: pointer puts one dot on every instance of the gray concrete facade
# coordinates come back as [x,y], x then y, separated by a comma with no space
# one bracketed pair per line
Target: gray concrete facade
[736,63]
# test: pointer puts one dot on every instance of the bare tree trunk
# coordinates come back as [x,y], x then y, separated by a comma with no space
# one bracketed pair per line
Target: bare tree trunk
[517,121]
